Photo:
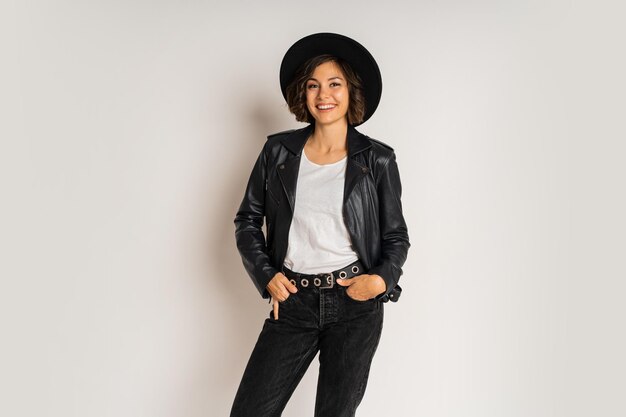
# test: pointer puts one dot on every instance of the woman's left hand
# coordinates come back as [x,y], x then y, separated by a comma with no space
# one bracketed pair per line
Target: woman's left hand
[363,287]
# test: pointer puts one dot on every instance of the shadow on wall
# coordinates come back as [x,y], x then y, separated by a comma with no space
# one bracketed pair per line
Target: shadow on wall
[243,310]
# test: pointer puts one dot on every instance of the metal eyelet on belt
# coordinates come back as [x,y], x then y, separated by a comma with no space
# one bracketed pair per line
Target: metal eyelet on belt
[317,282]
[293,281]
[329,279]
[304,282]
[342,274]
[355,269]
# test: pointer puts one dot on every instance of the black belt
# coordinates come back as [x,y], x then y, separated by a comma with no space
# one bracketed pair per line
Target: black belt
[325,279]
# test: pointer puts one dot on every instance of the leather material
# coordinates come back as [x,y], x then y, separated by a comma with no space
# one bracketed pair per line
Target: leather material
[372,208]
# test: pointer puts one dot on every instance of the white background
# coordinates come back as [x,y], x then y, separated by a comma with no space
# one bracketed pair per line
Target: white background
[129,129]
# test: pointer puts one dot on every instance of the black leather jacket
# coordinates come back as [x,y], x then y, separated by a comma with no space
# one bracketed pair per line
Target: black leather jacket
[371,207]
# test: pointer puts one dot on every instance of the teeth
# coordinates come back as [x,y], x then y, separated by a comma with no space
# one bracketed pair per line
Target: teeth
[325,106]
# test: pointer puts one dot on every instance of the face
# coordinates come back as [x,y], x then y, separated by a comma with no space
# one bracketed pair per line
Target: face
[327,96]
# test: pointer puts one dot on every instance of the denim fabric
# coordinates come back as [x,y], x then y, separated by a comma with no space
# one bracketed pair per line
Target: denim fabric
[345,331]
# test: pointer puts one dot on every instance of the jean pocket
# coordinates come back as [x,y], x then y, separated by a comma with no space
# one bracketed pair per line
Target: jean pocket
[347,297]
[288,300]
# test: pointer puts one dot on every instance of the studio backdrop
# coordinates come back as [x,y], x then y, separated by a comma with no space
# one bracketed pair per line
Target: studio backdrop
[129,130]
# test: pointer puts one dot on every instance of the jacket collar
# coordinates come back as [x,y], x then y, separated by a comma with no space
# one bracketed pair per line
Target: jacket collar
[294,142]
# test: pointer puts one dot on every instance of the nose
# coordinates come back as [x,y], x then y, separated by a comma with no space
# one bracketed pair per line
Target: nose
[323,91]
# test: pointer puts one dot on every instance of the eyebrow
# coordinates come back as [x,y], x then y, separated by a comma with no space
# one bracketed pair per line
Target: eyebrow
[331,78]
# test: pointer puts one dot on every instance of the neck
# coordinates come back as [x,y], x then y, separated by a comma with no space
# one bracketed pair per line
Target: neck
[328,138]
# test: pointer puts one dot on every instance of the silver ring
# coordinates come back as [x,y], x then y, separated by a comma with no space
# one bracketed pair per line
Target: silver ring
[293,281]
[317,281]
[329,279]
[355,269]
[304,282]
[342,274]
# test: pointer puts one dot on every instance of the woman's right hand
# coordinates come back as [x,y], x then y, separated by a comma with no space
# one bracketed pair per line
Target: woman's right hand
[280,288]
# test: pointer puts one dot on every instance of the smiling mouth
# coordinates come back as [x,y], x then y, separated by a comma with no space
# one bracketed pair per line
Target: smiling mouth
[325,106]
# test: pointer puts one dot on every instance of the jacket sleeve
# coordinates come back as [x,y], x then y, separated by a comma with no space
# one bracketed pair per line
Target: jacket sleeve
[393,230]
[248,228]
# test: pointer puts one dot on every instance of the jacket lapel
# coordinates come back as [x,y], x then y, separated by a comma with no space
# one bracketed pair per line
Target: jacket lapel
[354,170]
[288,170]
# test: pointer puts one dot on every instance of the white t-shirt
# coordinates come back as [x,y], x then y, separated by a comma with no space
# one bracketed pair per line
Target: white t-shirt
[318,238]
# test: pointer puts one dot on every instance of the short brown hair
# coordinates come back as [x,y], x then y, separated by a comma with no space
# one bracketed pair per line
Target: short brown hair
[296,90]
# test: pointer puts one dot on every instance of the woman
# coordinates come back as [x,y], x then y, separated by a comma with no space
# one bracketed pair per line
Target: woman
[336,236]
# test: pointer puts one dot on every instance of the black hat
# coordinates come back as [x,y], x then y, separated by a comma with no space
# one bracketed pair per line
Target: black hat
[355,54]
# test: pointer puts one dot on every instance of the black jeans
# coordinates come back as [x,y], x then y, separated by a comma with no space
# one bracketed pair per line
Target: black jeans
[345,332]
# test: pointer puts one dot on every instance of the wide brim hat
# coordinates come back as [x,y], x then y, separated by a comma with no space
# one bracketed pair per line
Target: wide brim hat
[355,54]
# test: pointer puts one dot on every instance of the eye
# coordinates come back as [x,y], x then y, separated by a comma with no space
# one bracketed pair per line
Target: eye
[335,84]
[310,86]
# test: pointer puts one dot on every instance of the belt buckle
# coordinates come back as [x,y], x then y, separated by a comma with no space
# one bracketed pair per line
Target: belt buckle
[328,280]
